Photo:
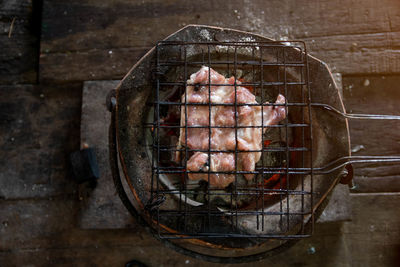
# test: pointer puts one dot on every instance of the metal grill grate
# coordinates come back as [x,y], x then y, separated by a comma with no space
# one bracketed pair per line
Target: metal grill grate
[204,211]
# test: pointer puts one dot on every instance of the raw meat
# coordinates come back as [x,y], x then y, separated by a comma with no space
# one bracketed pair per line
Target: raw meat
[248,139]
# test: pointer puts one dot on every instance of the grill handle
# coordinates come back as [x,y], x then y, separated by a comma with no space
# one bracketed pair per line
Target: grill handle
[355,116]
[347,174]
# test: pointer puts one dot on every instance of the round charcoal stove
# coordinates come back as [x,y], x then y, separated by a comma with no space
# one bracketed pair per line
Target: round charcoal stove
[302,158]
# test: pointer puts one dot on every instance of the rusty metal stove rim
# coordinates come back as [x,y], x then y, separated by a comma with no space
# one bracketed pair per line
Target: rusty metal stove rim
[117,95]
[151,50]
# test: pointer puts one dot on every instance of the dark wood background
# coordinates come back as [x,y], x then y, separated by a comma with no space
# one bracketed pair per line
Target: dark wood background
[48,48]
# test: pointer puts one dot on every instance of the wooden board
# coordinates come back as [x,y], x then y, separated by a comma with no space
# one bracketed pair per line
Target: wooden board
[374,53]
[374,95]
[85,31]
[34,233]
[39,128]
[78,25]
[19,41]
[97,64]
[100,207]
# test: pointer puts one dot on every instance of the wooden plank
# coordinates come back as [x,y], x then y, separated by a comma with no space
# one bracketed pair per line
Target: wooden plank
[369,53]
[39,128]
[19,41]
[79,25]
[36,234]
[374,234]
[77,36]
[377,184]
[358,53]
[354,42]
[374,95]
[100,207]
[364,62]
[88,65]
[29,224]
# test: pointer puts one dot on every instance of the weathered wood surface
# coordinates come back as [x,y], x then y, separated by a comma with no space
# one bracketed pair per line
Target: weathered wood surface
[102,39]
[35,233]
[338,32]
[374,95]
[100,207]
[39,127]
[19,41]
[96,64]
[375,53]
[77,25]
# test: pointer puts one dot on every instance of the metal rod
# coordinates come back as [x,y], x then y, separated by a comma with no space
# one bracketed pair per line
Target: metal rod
[168,235]
[286,140]
[356,116]
[309,100]
[209,137]
[158,136]
[186,146]
[244,63]
[262,137]
[302,144]
[326,169]
[236,43]
[236,134]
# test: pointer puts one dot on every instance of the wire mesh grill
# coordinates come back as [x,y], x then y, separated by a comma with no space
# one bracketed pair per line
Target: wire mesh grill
[206,211]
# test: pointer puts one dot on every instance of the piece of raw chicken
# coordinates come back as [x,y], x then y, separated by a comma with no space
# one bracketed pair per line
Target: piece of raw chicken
[248,139]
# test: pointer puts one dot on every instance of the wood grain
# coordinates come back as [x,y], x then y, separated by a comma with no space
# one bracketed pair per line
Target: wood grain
[88,65]
[84,32]
[374,95]
[19,36]
[102,39]
[39,127]
[34,234]
[78,25]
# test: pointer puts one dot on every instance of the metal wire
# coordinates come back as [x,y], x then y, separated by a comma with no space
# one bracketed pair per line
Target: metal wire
[356,116]
[256,188]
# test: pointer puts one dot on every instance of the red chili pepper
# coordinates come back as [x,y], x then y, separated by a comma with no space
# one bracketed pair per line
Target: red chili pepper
[267,143]
[281,184]
[268,182]
[273,178]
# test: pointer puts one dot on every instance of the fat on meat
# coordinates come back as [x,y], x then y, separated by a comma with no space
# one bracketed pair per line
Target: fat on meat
[208,139]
